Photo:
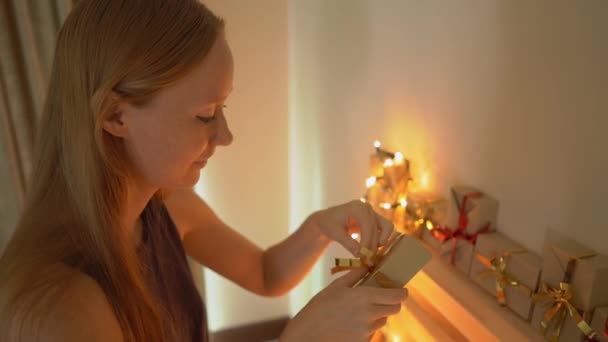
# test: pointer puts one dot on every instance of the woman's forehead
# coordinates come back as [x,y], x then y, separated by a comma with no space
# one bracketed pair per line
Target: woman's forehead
[207,82]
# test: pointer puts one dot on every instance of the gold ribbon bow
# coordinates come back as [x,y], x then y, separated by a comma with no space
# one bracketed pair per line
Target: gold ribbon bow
[559,299]
[369,259]
[497,267]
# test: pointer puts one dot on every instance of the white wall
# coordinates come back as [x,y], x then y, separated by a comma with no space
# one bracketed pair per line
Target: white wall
[511,96]
[246,183]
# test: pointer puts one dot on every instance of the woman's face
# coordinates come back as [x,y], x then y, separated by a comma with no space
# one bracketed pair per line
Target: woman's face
[170,139]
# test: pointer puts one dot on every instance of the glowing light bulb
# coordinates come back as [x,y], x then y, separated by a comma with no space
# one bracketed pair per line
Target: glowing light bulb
[398,157]
[395,338]
[370,181]
[386,205]
[388,163]
[362,199]
[429,225]
[377,144]
[355,236]
[403,202]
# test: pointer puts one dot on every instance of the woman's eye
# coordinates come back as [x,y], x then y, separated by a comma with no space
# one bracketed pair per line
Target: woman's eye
[206,119]
[209,119]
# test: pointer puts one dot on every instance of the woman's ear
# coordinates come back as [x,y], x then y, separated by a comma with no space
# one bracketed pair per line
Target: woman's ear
[115,123]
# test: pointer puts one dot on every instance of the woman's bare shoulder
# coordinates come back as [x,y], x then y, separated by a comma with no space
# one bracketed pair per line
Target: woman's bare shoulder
[76,309]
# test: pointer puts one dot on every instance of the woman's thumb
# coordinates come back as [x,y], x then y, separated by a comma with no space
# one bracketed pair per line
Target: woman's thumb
[350,278]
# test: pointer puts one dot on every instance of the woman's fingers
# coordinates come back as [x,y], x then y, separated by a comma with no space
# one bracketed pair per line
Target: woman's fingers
[364,214]
[382,311]
[386,228]
[375,229]
[349,243]
[378,324]
[384,296]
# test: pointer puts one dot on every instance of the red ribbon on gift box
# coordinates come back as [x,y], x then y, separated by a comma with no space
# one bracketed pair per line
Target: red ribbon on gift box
[444,234]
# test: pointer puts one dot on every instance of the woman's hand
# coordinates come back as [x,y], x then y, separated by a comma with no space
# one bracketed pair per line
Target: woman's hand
[339,222]
[343,313]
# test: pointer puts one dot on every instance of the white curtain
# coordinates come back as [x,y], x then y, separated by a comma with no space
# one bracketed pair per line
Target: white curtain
[28,30]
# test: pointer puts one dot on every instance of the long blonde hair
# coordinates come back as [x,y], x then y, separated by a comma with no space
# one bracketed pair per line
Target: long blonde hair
[77,191]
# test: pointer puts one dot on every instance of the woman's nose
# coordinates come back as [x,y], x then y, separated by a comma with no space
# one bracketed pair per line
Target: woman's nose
[223,135]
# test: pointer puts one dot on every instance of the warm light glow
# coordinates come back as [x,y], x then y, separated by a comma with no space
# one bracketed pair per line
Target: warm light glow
[429,225]
[424,180]
[388,163]
[386,205]
[398,158]
[370,181]
[377,144]
[362,199]
[403,202]
[355,236]
[395,338]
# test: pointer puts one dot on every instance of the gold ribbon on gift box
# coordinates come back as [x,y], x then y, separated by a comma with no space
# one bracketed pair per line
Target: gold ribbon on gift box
[369,259]
[560,307]
[497,267]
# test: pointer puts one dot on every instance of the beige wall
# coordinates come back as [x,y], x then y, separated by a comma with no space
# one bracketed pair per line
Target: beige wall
[246,183]
[511,96]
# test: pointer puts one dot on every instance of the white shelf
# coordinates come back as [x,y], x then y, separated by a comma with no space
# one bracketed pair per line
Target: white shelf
[450,301]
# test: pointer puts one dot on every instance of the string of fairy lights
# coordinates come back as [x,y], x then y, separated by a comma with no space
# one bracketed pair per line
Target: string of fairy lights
[387,190]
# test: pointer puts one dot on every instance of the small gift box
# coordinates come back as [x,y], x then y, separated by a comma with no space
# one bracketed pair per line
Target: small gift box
[376,165]
[573,283]
[458,243]
[397,174]
[393,266]
[386,204]
[599,324]
[481,208]
[426,209]
[455,248]
[506,270]
[397,263]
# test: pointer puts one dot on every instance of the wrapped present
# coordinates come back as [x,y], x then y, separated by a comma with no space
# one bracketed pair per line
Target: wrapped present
[393,266]
[376,165]
[401,221]
[455,248]
[425,210]
[386,203]
[481,208]
[573,283]
[506,270]
[457,244]
[599,324]
[397,174]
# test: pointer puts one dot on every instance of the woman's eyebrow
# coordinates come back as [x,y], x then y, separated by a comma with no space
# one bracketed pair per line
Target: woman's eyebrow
[217,99]
[220,98]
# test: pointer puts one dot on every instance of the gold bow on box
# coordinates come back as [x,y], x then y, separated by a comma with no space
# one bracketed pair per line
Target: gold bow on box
[497,266]
[560,307]
[394,265]
[559,299]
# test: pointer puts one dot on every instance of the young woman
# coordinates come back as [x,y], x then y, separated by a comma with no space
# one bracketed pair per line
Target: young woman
[134,110]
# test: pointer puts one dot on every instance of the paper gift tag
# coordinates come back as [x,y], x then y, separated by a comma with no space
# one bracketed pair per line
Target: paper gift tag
[405,257]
